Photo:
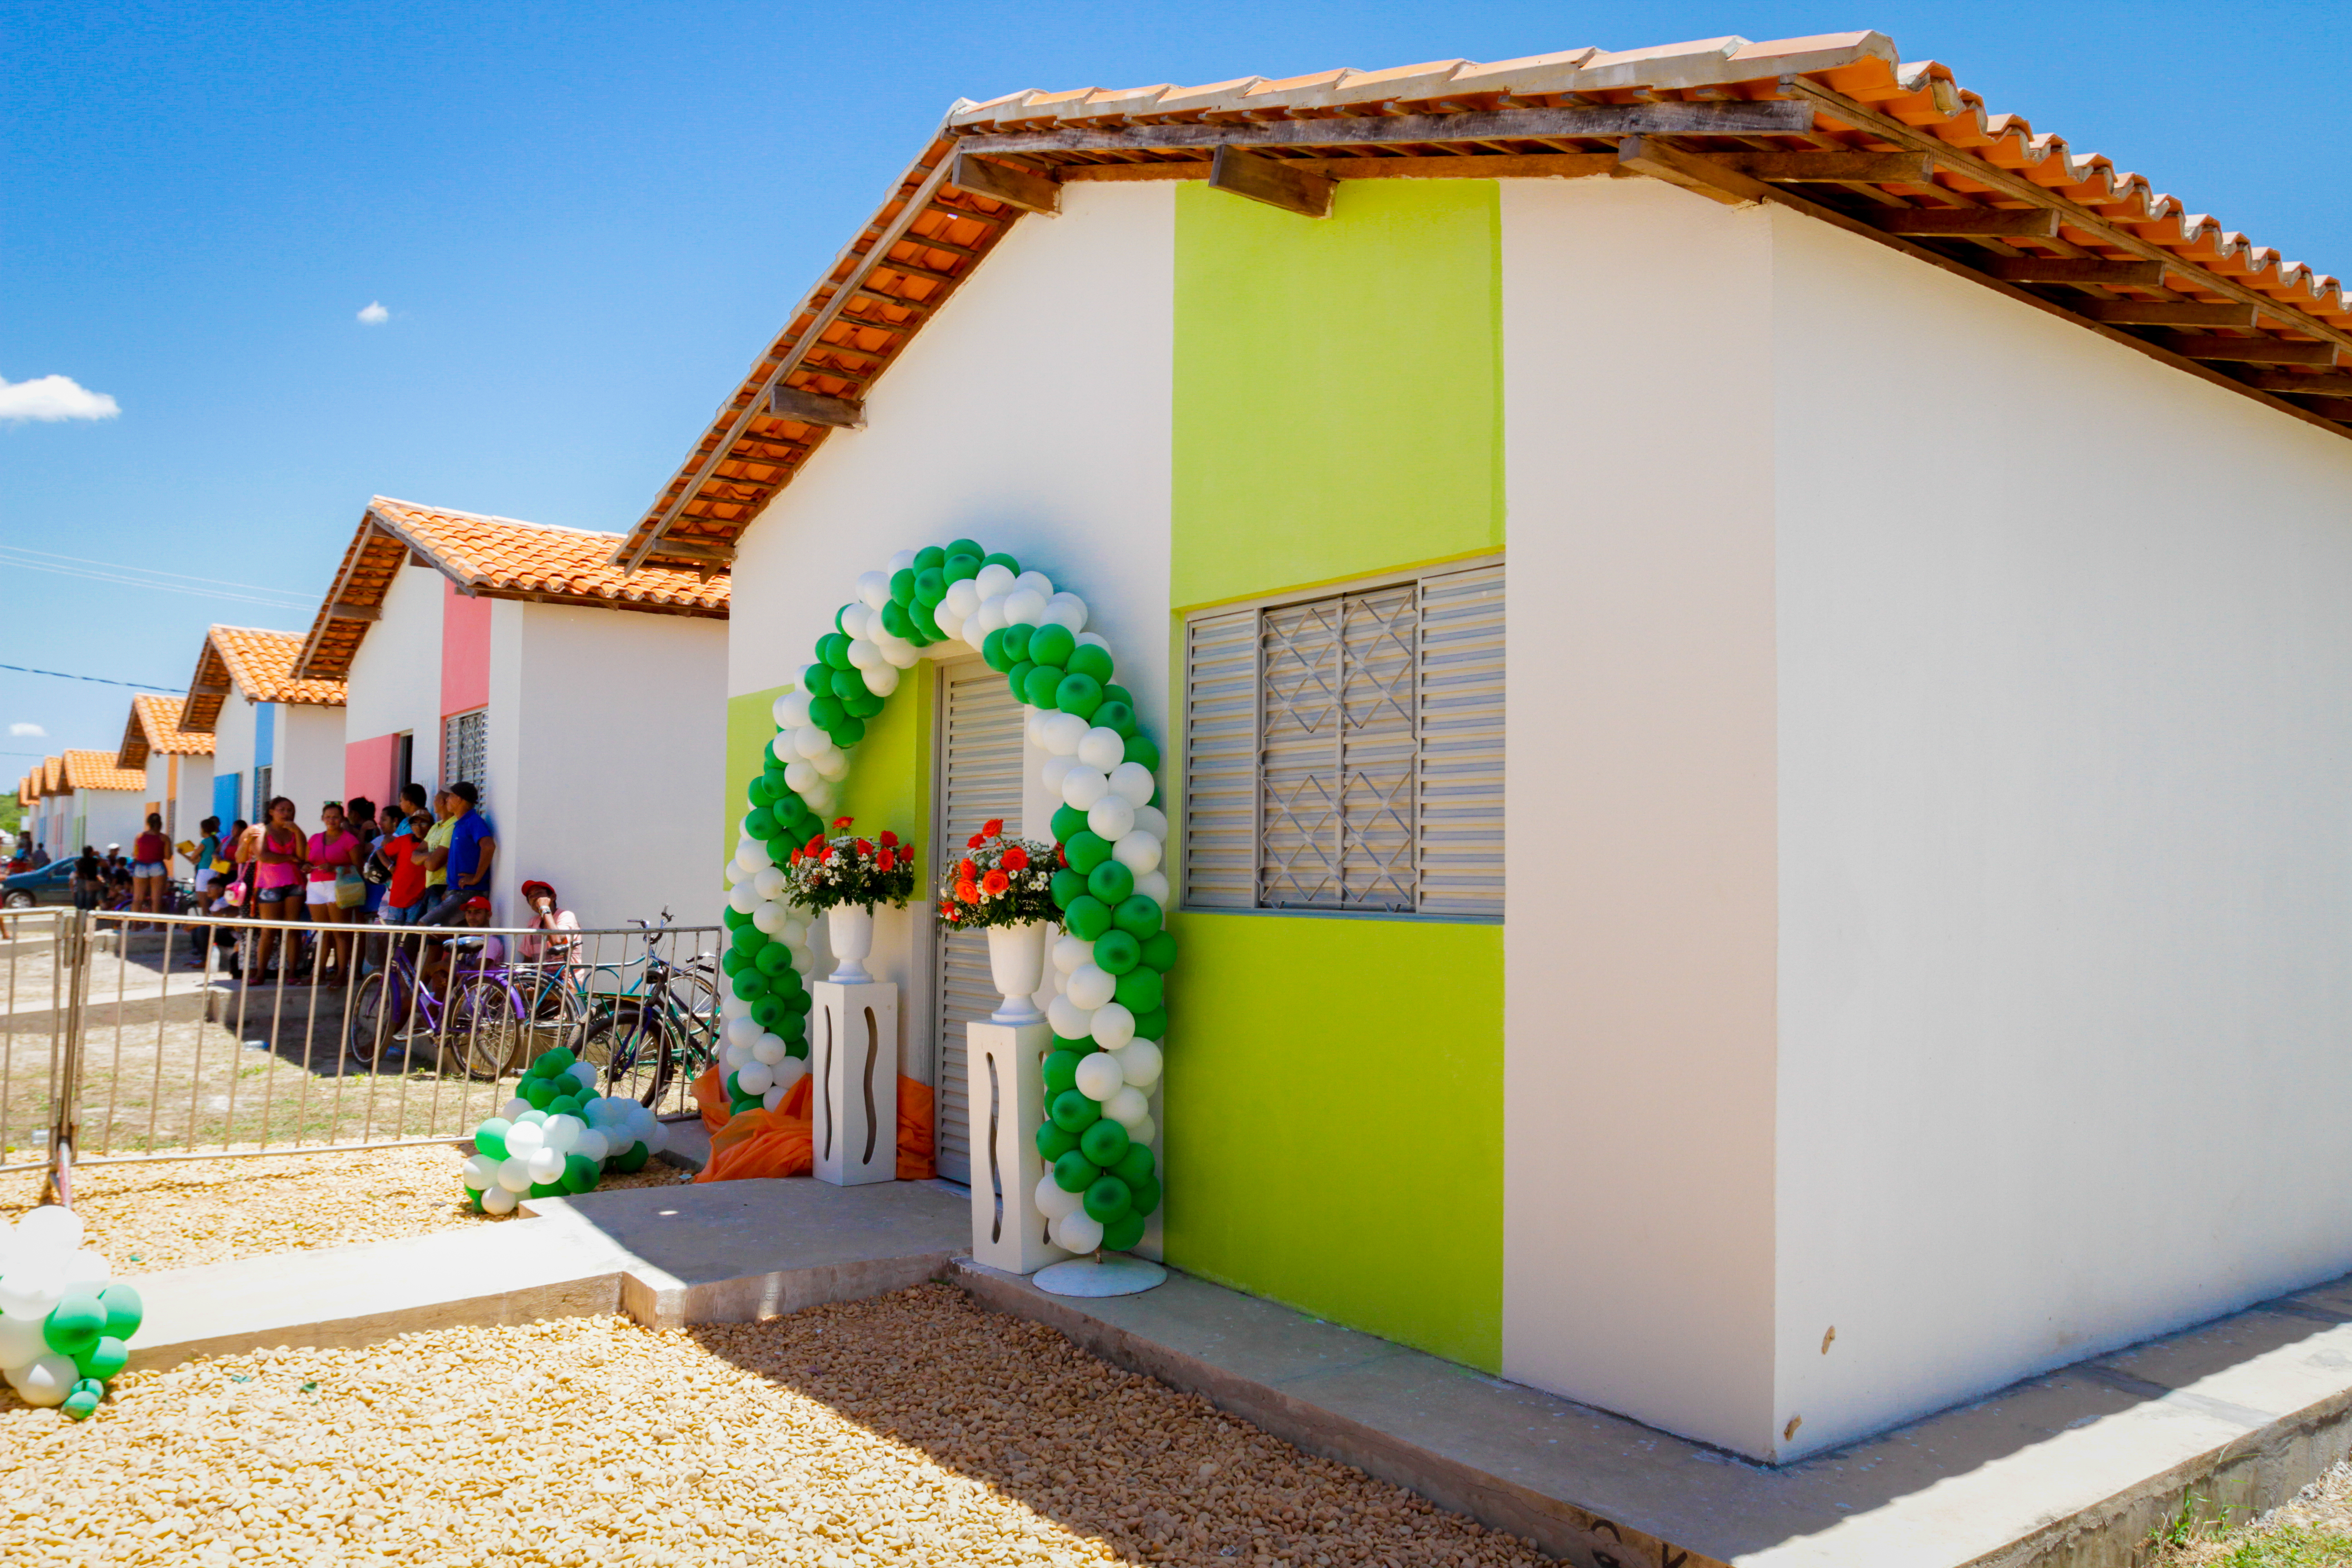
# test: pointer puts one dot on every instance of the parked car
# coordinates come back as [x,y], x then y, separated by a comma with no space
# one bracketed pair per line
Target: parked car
[50,884]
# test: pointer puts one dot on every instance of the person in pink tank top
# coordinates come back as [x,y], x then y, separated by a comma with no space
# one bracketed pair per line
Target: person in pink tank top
[277,879]
[334,850]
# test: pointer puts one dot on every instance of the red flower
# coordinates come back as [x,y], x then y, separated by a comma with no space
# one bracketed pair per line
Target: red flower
[889,836]
[967,870]
[1016,858]
[974,842]
[814,843]
[1061,855]
[886,861]
[992,826]
[796,857]
[967,892]
[947,910]
[826,855]
[996,882]
[864,847]
[843,821]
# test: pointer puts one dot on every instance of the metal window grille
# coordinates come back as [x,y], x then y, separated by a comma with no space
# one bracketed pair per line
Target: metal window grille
[1346,752]
[466,751]
[262,794]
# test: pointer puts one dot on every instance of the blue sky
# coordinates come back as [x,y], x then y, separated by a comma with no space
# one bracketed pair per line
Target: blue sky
[582,222]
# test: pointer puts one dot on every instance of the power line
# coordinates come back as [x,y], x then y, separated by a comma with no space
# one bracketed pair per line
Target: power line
[61,675]
[26,560]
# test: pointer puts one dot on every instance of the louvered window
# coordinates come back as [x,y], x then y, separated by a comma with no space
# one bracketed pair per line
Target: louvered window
[1346,752]
[466,751]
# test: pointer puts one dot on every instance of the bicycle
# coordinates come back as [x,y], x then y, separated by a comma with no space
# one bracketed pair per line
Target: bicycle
[641,1039]
[480,1007]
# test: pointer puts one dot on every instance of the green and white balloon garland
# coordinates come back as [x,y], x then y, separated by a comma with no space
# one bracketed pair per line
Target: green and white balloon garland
[1113,953]
[65,1325]
[556,1136]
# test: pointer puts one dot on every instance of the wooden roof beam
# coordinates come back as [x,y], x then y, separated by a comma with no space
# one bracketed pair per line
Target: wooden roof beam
[1271,180]
[1003,182]
[2302,385]
[2088,270]
[1766,117]
[815,409]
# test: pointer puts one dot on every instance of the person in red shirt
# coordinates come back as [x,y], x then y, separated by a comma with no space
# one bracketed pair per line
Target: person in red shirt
[404,896]
[150,868]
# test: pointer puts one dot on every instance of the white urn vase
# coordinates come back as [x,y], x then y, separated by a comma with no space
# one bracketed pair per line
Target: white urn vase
[850,929]
[1016,962]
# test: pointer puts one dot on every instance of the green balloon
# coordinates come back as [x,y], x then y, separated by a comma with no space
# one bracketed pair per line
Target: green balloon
[816,677]
[796,1000]
[1105,1143]
[1074,1112]
[998,558]
[1073,1172]
[1061,1072]
[1067,824]
[1135,1164]
[558,1061]
[1088,658]
[748,942]
[1067,888]
[991,652]
[79,1405]
[1115,717]
[968,547]
[1086,851]
[895,619]
[1084,1047]
[847,682]
[862,704]
[1038,687]
[124,1310]
[104,1359]
[834,649]
[750,984]
[930,557]
[736,918]
[1109,880]
[74,1324]
[1053,644]
[491,1138]
[767,1011]
[1053,1142]
[634,1159]
[1138,991]
[1016,679]
[1086,918]
[1159,950]
[1152,1025]
[581,1173]
[1116,953]
[1139,750]
[931,586]
[961,566]
[1145,1195]
[1113,693]
[902,586]
[773,960]
[824,709]
[1107,1199]
[1079,694]
[1138,916]
[539,1091]
[1123,1233]
[792,1029]
[759,791]
[545,1190]
[1016,644]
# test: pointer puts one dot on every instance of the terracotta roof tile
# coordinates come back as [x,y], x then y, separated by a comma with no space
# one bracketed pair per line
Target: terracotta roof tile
[96,770]
[1852,91]
[154,726]
[259,664]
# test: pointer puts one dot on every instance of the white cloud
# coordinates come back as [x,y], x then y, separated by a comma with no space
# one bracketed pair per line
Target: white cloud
[27,731]
[373,315]
[53,398]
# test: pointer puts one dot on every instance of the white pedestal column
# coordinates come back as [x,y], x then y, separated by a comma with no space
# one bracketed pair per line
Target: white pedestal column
[854,1052]
[1006,1068]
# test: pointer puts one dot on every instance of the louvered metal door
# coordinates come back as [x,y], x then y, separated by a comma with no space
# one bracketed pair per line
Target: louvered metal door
[978,777]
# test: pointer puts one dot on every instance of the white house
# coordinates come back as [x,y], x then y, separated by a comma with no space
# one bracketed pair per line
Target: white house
[91,801]
[586,706]
[273,733]
[178,766]
[1928,678]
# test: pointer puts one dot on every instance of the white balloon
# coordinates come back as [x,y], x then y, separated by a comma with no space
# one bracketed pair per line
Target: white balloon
[1140,1063]
[729,1006]
[1065,1017]
[1035,582]
[811,741]
[798,774]
[742,898]
[592,1146]
[803,961]
[779,750]
[1079,1232]
[1131,782]
[791,710]
[883,679]
[1143,1130]
[769,1050]
[1083,787]
[1063,731]
[768,883]
[795,928]
[562,1136]
[856,621]
[86,1267]
[1070,951]
[516,1107]
[1024,608]
[1152,820]
[1053,1202]
[582,1073]
[994,580]
[656,1135]
[1111,818]
[525,1139]
[502,1199]
[754,1079]
[735,1058]
[1101,749]
[755,853]
[768,917]
[962,601]
[989,617]
[1067,610]
[52,1226]
[30,1290]
[865,654]
[1136,851]
[874,587]
[774,1098]
[1099,1076]
[819,797]
[46,1383]
[1153,885]
[1033,725]
[950,626]
[1127,1106]
[1088,986]
[790,1071]
[833,765]
[1055,770]
[901,653]
[900,561]
[514,1173]
[1094,640]
[1112,1025]
[547,1165]
[22,1344]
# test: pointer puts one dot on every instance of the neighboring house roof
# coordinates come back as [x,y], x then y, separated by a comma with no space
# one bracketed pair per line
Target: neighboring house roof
[491,558]
[1978,193]
[96,770]
[259,666]
[53,775]
[154,726]
[28,791]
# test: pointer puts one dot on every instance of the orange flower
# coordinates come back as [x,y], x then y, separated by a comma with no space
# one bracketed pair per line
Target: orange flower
[1016,858]
[992,826]
[995,882]
[843,821]
[967,870]
[967,892]
[972,842]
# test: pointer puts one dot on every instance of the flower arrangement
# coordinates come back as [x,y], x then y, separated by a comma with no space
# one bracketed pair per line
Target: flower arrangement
[846,870]
[998,881]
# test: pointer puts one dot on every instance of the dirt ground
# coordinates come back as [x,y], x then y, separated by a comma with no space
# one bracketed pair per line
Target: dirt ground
[179,1214]
[2315,1531]
[914,1428]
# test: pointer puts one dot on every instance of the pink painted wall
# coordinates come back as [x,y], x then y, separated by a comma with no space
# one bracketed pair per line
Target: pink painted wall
[368,766]
[465,651]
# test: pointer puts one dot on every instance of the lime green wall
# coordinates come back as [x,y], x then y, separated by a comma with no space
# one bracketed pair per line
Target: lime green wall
[751,725]
[889,788]
[1338,384]
[1334,1110]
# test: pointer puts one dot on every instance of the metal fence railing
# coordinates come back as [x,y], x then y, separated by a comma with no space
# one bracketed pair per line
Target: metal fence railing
[144,1037]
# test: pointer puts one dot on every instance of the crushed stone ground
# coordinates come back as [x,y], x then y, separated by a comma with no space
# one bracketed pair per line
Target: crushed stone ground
[915,1429]
[2312,1531]
[179,1214]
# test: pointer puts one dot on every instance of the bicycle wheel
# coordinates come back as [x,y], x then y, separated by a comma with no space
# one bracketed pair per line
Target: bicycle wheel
[631,1047]
[553,1013]
[375,1018]
[489,1028]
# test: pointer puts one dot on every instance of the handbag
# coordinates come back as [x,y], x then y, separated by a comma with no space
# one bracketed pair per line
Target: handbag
[350,888]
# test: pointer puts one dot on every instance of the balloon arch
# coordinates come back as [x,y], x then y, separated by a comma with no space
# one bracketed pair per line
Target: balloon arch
[1109,839]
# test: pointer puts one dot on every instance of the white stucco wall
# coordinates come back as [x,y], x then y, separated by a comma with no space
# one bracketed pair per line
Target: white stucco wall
[1031,415]
[1638,1066]
[103,817]
[193,796]
[607,735]
[2065,757]
[309,767]
[233,736]
[394,681]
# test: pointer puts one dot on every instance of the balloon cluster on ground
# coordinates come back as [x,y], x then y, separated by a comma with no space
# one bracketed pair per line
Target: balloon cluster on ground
[64,1327]
[556,1136]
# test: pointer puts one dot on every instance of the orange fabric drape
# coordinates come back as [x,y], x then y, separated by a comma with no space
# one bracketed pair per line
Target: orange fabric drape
[778,1142]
